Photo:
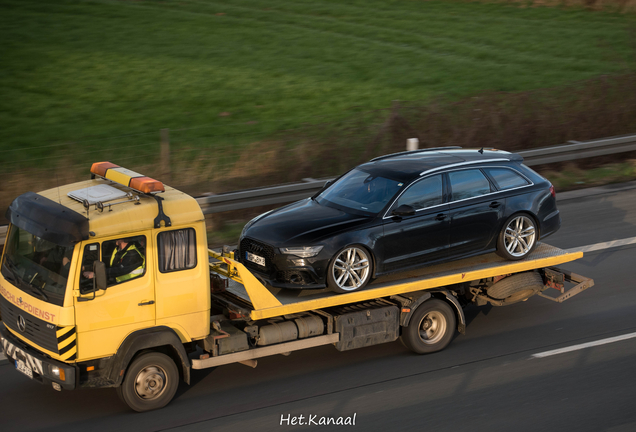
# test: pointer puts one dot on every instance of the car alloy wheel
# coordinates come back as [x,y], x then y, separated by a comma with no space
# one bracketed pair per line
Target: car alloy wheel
[519,236]
[350,270]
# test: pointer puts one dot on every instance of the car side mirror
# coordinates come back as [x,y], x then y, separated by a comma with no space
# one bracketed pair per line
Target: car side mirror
[326,185]
[99,276]
[403,210]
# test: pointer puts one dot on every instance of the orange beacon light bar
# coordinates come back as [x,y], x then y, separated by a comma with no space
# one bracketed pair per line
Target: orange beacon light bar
[127,178]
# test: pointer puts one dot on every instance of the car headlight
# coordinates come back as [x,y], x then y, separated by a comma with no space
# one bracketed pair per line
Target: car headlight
[302,251]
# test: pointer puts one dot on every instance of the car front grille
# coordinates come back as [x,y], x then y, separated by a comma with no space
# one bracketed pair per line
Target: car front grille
[260,249]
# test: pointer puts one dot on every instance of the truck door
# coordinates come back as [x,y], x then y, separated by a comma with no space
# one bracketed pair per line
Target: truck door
[183,280]
[128,302]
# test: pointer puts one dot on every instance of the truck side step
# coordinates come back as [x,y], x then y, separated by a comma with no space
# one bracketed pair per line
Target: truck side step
[266,351]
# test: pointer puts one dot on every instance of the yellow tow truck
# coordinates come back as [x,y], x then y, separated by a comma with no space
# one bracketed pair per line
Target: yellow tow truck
[109,283]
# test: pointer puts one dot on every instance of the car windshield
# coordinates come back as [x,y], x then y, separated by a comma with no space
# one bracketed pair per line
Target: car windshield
[360,191]
[36,266]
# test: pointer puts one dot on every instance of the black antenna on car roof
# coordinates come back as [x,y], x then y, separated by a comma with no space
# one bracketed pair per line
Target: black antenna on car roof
[481,150]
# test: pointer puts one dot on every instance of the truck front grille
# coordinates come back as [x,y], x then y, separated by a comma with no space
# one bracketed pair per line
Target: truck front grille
[41,333]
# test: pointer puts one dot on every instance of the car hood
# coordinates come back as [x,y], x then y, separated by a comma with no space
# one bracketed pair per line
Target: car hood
[302,224]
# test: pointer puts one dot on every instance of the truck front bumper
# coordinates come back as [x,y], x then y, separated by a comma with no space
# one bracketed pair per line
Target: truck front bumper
[42,368]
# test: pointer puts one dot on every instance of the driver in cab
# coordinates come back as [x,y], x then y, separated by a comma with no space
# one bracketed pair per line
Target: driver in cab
[126,262]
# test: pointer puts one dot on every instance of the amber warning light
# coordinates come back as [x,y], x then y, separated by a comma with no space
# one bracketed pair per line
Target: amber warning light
[126,177]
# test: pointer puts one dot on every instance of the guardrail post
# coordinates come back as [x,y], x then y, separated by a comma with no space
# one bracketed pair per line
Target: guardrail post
[165,154]
[412,144]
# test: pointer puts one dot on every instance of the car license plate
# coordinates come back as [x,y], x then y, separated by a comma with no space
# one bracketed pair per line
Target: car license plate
[24,368]
[255,258]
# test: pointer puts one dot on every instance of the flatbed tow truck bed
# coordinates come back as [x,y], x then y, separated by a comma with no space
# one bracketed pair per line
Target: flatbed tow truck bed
[248,298]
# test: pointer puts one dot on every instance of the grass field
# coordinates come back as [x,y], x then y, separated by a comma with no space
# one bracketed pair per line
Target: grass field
[88,80]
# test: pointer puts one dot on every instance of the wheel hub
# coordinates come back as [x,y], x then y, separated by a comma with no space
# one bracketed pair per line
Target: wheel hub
[150,382]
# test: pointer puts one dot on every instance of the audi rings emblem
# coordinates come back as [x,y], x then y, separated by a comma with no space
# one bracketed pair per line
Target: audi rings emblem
[21,323]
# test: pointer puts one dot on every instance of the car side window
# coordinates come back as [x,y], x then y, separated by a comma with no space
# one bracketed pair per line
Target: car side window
[425,193]
[468,184]
[506,178]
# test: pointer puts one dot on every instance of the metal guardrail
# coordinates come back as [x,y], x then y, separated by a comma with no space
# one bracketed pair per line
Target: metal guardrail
[260,197]
[288,193]
[579,150]
[293,192]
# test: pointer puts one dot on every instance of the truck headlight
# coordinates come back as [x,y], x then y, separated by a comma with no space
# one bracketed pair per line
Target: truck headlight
[302,251]
[57,372]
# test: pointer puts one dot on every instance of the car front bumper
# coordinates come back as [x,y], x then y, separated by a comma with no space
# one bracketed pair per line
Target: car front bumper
[285,271]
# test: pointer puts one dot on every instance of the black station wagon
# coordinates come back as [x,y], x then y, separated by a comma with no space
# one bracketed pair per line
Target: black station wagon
[401,211]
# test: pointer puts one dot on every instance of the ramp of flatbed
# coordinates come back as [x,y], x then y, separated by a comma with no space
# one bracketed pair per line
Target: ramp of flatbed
[271,302]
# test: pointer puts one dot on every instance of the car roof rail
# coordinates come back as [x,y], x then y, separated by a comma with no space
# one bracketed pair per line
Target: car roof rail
[414,151]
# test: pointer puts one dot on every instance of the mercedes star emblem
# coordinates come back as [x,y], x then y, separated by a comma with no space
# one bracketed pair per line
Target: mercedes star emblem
[21,323]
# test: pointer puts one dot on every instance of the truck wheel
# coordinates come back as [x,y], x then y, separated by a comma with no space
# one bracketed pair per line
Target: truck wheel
[517,287]
[150,383]
[431,328]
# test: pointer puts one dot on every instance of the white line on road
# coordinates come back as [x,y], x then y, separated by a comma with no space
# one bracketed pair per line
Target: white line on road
[604,245]
[585,345]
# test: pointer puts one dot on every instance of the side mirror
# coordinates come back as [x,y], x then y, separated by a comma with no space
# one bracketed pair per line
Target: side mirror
[403,210]
[326,185]
[99,276]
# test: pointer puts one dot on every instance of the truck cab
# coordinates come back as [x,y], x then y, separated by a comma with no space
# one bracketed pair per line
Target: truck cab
[73,312]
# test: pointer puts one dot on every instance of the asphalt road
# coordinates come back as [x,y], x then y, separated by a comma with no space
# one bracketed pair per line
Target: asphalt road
[485,380]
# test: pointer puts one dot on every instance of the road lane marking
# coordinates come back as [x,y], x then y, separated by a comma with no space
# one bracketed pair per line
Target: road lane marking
[604,245]
[584,345]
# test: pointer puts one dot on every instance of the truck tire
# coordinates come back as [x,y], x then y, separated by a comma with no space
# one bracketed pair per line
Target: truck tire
[431,328]
[150,383]
[517,287]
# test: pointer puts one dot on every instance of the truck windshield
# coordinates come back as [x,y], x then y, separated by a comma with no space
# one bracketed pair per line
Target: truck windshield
[36,266]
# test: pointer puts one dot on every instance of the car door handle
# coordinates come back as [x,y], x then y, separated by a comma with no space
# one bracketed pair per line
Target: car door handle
[146,303]
[495,204]
[440,217]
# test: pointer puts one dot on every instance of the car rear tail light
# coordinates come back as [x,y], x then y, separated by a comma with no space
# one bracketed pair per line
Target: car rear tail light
[552,191]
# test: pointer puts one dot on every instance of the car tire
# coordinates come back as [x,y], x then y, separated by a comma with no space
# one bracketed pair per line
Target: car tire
[431,328]
[150,383]
[518,237]
[350,269]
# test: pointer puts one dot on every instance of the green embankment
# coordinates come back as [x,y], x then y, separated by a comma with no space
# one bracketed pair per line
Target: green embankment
[88,80]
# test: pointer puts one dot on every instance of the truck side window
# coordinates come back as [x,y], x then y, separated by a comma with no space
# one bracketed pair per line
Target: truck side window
[177,250]
[125,259]
[91,254]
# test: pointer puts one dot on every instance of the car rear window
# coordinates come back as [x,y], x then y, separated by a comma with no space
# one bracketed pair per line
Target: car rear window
[506,178]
